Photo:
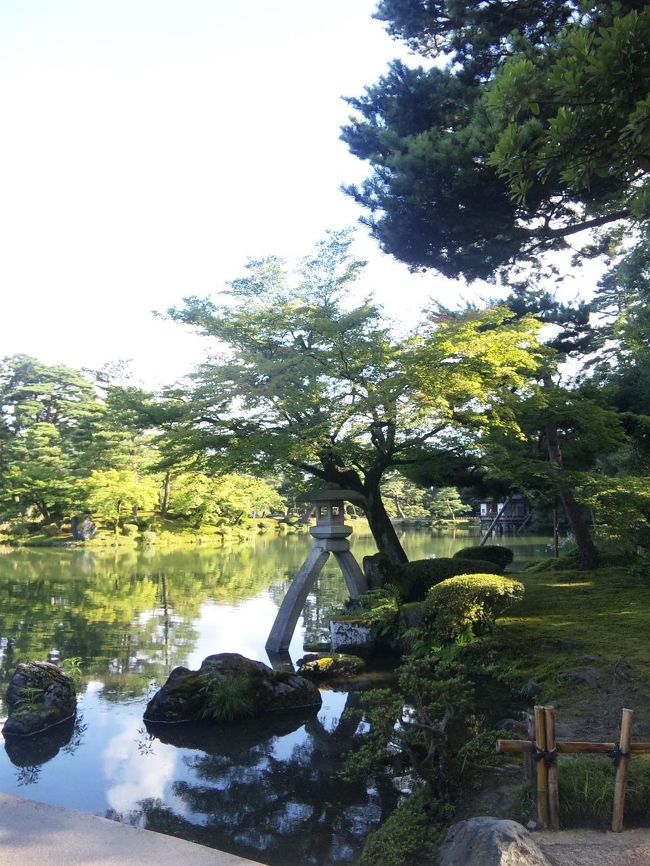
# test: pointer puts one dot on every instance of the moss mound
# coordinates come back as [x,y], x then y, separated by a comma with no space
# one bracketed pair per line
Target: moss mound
[414,579]
[468,604]
[495,553]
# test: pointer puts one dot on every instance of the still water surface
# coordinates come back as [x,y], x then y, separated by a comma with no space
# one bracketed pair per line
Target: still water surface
[267,790]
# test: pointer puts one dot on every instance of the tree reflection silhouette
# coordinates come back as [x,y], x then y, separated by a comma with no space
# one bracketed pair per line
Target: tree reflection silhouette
[269,789]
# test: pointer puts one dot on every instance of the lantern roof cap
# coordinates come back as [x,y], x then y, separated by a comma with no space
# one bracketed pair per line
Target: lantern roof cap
[333,494]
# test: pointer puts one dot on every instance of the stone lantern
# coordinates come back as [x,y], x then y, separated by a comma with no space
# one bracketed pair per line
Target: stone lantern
[330,536]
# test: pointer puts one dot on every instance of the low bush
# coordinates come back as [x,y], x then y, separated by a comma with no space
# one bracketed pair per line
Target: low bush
[410,836]
[149,537]
[468,605]
[414,579]
[130,530]
[495,553]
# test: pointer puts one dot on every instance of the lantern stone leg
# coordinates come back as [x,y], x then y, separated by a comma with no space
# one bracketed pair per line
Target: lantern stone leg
[354,577]
[294,601]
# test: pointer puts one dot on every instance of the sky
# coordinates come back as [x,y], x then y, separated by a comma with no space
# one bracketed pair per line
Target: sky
[149,147]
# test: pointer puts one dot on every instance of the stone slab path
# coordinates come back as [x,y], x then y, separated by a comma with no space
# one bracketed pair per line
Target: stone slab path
[593,848]
[33,834]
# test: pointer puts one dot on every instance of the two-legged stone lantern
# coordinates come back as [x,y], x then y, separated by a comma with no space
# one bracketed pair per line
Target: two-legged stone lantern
[330,536]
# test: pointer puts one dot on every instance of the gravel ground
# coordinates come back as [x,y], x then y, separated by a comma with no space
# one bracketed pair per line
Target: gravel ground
[592,848]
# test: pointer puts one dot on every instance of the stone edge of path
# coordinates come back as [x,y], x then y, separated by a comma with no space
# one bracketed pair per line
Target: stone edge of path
[34,833]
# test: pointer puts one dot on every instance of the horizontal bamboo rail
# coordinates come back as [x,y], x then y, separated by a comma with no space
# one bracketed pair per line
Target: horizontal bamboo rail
[569,747]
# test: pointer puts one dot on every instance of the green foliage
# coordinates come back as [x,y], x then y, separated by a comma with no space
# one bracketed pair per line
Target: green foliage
[478,751]
[577,121]
[308,383]
[377,609]
[621,507]
[229,498]
[496,553]
[148,537]
[39,473]
[116,494]
[403,498]
[446,504]
[422,723]
[72,667]
[410,836]
[57,426]
[414,579]
[539,118]
[30,696]
[225,700]
[468,604]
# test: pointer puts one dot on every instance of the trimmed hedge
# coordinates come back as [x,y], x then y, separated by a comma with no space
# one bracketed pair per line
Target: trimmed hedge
[496,553]
[414,579]
[470,602]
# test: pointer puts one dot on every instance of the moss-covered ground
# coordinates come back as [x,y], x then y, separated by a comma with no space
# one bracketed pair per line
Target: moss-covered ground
[580,636]
[581,642]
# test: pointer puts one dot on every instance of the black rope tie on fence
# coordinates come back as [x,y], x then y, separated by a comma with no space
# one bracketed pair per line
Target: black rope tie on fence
[549,757]
[617,755]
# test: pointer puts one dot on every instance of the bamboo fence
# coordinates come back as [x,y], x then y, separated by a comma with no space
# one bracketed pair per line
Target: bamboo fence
[544,748]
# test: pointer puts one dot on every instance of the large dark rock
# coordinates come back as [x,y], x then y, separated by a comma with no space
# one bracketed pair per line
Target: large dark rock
[229,686]
[83,529]
[489,841]
[39,696]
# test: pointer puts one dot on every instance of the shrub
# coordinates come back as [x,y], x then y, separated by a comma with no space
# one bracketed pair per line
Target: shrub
[495,553]
[149,537]
[468,604]
[414,579]
[130,530]
[410,836]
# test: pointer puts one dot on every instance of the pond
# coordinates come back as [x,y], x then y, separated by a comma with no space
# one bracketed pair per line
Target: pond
[265,790]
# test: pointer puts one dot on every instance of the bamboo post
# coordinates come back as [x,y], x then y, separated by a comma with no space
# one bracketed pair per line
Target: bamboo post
[540,743]
[529,760]
[627,719]
[553,793]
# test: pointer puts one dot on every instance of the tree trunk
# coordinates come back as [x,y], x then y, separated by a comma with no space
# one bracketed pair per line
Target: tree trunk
[584,542]
[398,508]
[379,522]
[381,526]
[166,493]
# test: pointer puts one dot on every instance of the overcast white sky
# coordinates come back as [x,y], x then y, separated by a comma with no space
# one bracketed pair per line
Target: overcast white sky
[148,147]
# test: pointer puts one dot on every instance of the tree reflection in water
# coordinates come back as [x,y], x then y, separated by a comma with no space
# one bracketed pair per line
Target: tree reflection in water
[269,789]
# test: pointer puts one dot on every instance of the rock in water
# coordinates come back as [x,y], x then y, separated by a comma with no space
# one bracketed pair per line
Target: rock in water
[39,695]
[489,842]
[229,686]
[330,666]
